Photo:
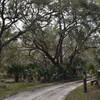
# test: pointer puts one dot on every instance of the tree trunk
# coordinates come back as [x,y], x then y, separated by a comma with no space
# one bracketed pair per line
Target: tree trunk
[61,52]
[0,54]
[71,57]
[16,78]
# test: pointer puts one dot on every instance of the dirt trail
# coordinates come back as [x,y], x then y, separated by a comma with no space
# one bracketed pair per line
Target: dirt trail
[57,92]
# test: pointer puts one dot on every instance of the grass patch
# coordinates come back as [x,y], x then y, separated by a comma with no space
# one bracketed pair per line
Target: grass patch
[7,89]
[78,94]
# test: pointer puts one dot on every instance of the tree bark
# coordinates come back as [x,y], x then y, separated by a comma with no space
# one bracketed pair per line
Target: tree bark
[0,56]
[0,51]
[16,78]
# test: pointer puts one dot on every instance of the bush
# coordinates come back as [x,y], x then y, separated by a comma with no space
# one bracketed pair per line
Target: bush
[15,71]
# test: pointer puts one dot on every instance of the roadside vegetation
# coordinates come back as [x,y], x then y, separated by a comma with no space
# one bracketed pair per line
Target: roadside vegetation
[78,94]
[8,89]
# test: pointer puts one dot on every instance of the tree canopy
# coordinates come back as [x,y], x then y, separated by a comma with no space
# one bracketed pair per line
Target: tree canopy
[49,32]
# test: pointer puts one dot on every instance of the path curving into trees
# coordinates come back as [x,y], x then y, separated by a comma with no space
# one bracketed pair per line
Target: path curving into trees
[57,92]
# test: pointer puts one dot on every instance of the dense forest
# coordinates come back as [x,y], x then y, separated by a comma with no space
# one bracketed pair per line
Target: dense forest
[49,40]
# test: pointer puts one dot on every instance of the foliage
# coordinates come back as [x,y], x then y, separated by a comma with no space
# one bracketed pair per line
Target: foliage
[53,38]
[98,1]
[34,72]
[16,71]
[91,69]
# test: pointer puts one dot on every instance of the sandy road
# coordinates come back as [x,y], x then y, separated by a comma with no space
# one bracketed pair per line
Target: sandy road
[56,92]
